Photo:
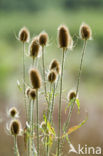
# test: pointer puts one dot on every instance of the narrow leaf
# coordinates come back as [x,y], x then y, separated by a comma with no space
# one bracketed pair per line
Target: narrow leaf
[74,128]
[78,104]
[69,104]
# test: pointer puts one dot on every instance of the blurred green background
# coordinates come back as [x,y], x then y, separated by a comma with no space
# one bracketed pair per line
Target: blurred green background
[47,15]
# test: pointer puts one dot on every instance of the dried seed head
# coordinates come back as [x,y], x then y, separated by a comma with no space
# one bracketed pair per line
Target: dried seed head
[24,35]
[85,32]
[34,47]
[71,95]
[43,39]
[27,91]
[13,112]
[32,93]
[52,76]
[55,66]
[63,37]
[15,127]
[35,78]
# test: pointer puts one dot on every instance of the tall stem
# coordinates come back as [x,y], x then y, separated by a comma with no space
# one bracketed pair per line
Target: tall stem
[48,114]
[43,64]
[77,88]
[49,104]
[32,124]
[32,118]
[30,130]
[60,98]
[52,105]
[37,115]
[24,78]
[16,151]
[80,69]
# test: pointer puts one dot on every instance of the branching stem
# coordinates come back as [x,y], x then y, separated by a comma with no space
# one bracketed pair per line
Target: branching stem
[77,88]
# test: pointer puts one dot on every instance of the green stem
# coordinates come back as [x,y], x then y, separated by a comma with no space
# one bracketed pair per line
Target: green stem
[43,64]
[37,115]
[48,114]
[57,82]
[30,130]
[29,107]
[80,69]
[31,146]
[32,124]
[32,117]
[49,104]
[77,88]
[47,146]
[60,97]
[16,151]
[52,105]
[24,78]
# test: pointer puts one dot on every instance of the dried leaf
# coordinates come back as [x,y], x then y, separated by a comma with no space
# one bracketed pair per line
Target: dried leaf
[74,128]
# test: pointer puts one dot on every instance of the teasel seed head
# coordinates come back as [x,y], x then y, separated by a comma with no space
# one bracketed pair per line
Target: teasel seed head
[24,35]
[34,47]
[64,37]
[55,66]
[13,112]
[71,95]
[35,78]
[52,76]
[15,127]
[32,94]
[85,32]
[43,39]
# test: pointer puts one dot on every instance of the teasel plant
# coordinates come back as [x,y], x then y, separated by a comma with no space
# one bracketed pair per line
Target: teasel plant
[14,129]
[24,37]
[65,43]
[31,146]
[85,34]
[52,77]
[45,132]
[43,41]
[55,68]
[36,84]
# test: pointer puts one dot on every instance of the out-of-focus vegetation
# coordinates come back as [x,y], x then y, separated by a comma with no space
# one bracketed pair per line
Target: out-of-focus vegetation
[48,20]
[34,5]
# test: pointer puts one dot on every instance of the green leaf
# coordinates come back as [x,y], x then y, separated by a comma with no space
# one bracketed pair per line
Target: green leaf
[44,116]
[69,104]
[78,104]
[51,129]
